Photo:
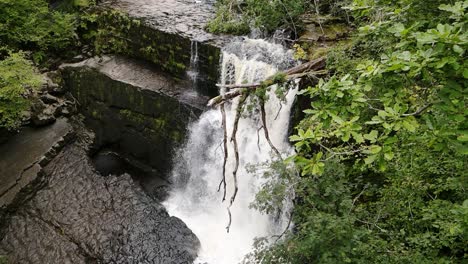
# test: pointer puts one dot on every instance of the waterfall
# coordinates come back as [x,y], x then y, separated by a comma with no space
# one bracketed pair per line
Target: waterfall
[193,68]
[198,169]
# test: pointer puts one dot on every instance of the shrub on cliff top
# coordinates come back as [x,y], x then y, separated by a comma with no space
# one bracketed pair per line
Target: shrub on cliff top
[17,75]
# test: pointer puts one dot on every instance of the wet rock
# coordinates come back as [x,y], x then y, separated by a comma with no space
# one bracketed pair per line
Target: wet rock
[161,193]
[186,18]
[53,83]
[49,99]
[45,117]
[168,33]
[133,107]
[78,58]
[24,154]
[82,217]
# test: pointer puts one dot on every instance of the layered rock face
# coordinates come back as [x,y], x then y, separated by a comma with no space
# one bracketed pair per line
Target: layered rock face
[24,155]
[72,213]
[132,109]
[168,33]
[63,205]
[82,217]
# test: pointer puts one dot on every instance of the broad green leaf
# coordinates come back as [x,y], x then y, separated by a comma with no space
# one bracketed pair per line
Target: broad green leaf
[397,29]
[463,137]
[358,137]
[462,149]
[336,118]
[425,38]
[410,124]
[370,159]
[346,136]
[389,155]
[458,49]
[294,138]
[382,113]
[465,73]
[372,136]
[317,168]
[373,149]
[318,156]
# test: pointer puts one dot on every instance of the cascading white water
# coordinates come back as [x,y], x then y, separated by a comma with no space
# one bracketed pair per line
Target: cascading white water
[193,68]
[199,165]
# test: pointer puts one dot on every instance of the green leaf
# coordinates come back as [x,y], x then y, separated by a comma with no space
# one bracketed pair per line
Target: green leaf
[373,149]
[358,137]
[410,124]
[458,49]
[336,118]
[425,38]
[370,159]
[462,149]
[389,155]
[463,137]
[382,114]
[318,168]
[397,29]
[346,136]
[294,138]
[372,136]
[465,73]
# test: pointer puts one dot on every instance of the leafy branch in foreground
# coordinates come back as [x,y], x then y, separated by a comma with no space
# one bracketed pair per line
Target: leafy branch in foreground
[382,148]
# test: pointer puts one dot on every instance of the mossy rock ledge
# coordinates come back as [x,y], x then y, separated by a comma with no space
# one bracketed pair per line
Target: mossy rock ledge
[132,108]
[169,34]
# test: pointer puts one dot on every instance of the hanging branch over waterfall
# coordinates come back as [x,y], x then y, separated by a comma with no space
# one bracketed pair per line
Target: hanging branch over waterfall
[234,141]
[265,129]
[226,153]
[312,69]
[236,153]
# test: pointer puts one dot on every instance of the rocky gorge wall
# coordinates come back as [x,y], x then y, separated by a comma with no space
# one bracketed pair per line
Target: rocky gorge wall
[137,104]
[133,109]
[172,52]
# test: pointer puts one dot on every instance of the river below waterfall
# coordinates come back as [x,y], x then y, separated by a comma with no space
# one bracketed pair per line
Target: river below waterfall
[196,198]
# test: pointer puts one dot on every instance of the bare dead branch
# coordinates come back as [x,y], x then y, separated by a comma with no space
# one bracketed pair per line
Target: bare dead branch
[278,237]
[258,137]
[224,97]
[226,153]
[265,129]
[230,219]
[311,69]
[234,141]
[419,111]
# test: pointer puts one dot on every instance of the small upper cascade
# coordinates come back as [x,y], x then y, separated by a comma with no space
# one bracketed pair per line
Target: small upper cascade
[192,72]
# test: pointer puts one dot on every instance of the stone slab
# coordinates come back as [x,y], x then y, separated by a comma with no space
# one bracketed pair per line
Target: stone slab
[186,18]
[22,154]
[143,76]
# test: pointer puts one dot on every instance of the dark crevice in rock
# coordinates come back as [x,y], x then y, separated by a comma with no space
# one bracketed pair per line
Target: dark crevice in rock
[108,162]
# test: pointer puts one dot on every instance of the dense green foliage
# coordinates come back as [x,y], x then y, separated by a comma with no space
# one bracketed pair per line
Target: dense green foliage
[16,75]
[33,27]
[30,25]
[382,149]
[240,16]
[237,16]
